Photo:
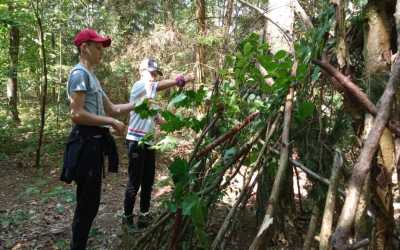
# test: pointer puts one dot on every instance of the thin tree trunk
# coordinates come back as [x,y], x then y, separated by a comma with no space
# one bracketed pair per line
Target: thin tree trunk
[44,92]
[260,241]
[329,211]
[377,52]
[60,81]
[12,85]
[342,52]
[362,167]
[312,227]
[200,51]
[361,227]
[227,25]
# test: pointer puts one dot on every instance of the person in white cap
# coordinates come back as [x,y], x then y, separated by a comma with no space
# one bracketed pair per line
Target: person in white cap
[141,168]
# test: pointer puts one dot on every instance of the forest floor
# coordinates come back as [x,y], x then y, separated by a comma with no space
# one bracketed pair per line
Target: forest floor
[36,208]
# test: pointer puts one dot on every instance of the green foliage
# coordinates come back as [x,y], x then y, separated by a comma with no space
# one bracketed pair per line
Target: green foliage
[304,111]
[190,203]
[145,109]
[13,218]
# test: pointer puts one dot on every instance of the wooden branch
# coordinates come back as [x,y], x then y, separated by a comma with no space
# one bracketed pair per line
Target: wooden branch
[247,187]
[270,132]
[299,10]
[244,150]
[357,92]
[264,14]
[327,218]
[312,227]
[362,167]
[349,85]
[203,134]
[305,169]
[227,135]
[359,244]
[259,241]
[268,80]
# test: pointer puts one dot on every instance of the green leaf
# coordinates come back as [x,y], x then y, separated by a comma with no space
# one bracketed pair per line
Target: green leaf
[144,111]
[229,154]
[280,55]
[247,48]
[189,203]
[176,100]
[305,110]
[166,144]
[179,171]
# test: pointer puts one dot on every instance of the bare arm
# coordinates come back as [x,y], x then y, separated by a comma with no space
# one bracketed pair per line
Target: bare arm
[117,109]
[168,83]
[81,117]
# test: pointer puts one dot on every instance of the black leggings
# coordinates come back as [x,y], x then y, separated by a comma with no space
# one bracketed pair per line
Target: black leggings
[141,171]
[88,192]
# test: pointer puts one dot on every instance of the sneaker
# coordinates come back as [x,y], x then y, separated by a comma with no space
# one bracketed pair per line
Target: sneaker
[144,220]
[129,226]
[127,220]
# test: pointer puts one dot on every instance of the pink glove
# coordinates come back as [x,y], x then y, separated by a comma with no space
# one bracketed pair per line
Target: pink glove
[180,81]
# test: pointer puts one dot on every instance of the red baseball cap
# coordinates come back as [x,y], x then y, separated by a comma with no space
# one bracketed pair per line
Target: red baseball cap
[86,35]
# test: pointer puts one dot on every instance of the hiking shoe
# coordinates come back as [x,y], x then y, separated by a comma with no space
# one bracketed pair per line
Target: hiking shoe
[127,220]
[129,226]
[144,220]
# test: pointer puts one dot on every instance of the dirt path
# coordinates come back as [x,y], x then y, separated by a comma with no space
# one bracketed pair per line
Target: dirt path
[36,208]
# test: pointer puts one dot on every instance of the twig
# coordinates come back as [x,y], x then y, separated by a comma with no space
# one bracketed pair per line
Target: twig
[227,135]
[246,188]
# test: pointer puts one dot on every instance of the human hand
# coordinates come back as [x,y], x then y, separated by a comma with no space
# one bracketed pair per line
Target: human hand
[118,126]
[189,77]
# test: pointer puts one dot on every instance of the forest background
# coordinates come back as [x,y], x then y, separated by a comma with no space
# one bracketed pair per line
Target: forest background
[288,138]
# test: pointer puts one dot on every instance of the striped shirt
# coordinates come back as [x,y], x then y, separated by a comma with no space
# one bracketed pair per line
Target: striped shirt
[139,127]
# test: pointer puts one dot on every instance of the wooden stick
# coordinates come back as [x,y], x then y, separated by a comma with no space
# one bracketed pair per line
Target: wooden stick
[247,188]
[362,167]
[227,135]
[260,240]
[351,87]
[356,91]
[327,219]
[312,227]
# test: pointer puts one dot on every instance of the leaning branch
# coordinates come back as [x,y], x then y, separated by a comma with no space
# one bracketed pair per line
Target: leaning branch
[356,91]
[362,167]
[227,135]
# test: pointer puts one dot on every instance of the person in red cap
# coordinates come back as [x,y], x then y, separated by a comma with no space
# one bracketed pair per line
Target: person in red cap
[90,139]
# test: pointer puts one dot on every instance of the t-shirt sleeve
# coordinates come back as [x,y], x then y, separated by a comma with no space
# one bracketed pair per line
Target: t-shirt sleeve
[78,81]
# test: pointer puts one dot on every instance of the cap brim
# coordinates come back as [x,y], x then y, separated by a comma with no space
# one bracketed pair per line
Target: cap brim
[159,72]
[105,41]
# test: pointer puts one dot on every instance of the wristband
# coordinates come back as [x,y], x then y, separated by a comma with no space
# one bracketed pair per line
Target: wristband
[180,81]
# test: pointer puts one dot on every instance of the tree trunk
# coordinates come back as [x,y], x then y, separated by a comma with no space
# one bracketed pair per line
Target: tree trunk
[169,13]
[200,50]
[227,25]
[279,30]
[12,85]
[377,52]
[44,92]
[312,227]
[362,167]
[342,51]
